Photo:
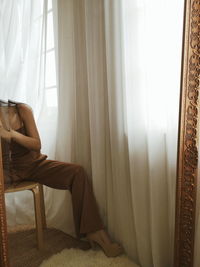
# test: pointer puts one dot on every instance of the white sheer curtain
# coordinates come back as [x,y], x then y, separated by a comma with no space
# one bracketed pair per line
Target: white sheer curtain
[119,76]
[152,66]
[25,41]
[22,64]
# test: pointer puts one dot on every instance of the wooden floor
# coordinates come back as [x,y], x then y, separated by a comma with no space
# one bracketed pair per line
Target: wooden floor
[23,246]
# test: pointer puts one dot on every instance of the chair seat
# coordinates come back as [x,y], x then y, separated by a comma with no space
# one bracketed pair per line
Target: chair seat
[21,186]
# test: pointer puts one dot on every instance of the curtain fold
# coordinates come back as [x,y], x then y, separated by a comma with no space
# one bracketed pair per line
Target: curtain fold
[116,83]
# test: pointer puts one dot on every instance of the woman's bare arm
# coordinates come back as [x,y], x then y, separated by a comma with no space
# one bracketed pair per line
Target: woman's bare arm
[5,134]
[32,140]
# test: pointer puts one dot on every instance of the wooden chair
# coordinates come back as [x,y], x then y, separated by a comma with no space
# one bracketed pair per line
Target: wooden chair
[40,219]
[37,191]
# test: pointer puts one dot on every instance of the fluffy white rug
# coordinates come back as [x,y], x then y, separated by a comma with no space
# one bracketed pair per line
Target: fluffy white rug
[90,258]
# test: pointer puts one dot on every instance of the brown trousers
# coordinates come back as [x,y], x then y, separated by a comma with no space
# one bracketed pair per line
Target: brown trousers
[72,177]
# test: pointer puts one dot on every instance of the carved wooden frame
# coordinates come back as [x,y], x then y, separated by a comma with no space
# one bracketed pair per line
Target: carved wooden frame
[4,259]
[188,138]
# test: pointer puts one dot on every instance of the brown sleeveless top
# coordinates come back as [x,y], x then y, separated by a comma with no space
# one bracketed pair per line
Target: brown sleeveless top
[18,161]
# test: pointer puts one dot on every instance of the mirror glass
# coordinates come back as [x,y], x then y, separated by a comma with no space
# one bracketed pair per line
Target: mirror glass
[103,81]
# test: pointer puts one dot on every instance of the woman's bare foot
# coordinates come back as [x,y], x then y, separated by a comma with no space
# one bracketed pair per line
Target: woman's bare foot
[102,239]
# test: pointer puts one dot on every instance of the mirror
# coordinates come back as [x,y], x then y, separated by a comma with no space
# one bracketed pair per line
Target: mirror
[187,161]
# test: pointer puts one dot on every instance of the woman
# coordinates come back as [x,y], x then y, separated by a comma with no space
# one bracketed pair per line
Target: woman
[22,160]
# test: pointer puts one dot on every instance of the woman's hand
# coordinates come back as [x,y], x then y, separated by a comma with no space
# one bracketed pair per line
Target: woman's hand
[32,139]
[5,134]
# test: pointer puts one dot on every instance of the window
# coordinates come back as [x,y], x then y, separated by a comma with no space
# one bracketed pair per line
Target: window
[50,67]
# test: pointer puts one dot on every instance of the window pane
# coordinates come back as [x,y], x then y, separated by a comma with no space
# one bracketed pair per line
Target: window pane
[51,97]
[49,4]
[50,77]
[50,31]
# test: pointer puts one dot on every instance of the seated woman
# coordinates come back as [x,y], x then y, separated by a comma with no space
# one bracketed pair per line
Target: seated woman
[25,162]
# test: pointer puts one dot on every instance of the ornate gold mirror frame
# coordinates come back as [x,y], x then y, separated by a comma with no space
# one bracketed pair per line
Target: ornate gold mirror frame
[3,224]
[188,138]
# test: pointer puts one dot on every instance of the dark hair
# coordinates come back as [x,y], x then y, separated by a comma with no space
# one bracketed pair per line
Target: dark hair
[3,103]
[9,103]
[13,103]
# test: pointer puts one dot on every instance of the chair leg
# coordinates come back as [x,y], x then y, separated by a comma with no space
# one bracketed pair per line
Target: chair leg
[38,217]
[44,223]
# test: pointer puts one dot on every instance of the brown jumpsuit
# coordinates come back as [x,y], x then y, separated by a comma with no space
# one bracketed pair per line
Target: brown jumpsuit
[22,164]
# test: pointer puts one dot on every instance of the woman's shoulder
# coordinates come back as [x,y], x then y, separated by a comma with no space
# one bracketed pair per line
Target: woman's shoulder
[24,110]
